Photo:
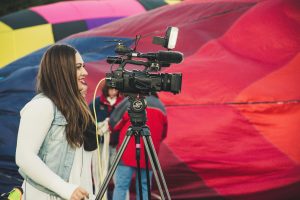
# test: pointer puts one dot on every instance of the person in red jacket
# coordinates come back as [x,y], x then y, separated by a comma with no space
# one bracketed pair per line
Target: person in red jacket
[104,105]
[120,121]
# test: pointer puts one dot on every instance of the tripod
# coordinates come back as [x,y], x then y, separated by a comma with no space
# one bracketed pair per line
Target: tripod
[138,118]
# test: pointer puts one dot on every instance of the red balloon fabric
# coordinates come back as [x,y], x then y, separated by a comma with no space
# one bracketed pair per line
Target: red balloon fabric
[234,128]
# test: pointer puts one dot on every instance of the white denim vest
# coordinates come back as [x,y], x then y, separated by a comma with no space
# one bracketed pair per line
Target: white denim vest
[55,151]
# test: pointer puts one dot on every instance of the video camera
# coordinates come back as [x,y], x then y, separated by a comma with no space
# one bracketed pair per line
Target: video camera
[142,81]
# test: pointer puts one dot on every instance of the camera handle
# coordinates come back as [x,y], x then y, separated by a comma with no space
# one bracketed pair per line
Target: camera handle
[138,118]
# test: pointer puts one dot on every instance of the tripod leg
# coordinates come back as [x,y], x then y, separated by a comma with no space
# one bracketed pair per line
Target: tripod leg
[148,176]
[149,143]
[138,161]
[113,168]
[147,148]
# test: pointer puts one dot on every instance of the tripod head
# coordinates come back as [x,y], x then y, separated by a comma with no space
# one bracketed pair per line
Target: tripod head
[136,110]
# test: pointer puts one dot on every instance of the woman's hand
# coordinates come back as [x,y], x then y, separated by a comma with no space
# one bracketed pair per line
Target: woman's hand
[79,194]
[103,127]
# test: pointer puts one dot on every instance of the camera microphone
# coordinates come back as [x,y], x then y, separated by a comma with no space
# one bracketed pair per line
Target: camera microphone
[114,60]
[169,56]
[161,56]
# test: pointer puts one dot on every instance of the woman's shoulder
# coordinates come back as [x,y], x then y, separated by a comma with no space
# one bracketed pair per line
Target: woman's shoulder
[39,102]
[41,99]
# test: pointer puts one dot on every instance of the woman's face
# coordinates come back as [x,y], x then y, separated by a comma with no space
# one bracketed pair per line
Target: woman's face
[112,92]
[81,72]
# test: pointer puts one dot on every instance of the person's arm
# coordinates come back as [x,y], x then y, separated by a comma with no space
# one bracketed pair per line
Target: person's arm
[36,119]
[118,116]
[120,124]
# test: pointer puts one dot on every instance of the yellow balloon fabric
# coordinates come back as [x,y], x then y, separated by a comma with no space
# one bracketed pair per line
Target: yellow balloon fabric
[21,42]
[6,49]
[15,194]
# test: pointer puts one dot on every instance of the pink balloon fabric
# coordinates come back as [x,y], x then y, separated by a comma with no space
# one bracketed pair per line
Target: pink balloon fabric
[79,10]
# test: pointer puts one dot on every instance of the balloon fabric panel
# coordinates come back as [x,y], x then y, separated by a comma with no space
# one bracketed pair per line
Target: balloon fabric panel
[41,35]
[92,23]
[150,4]
[233,130]
[63,30]
[78,15]
[6,39]
[22,19]
[79,10]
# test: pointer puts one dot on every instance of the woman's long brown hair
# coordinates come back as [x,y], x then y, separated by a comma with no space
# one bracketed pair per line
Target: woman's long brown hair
[57,79]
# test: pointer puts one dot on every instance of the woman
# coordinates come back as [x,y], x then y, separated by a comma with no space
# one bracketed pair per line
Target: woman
[56,132]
